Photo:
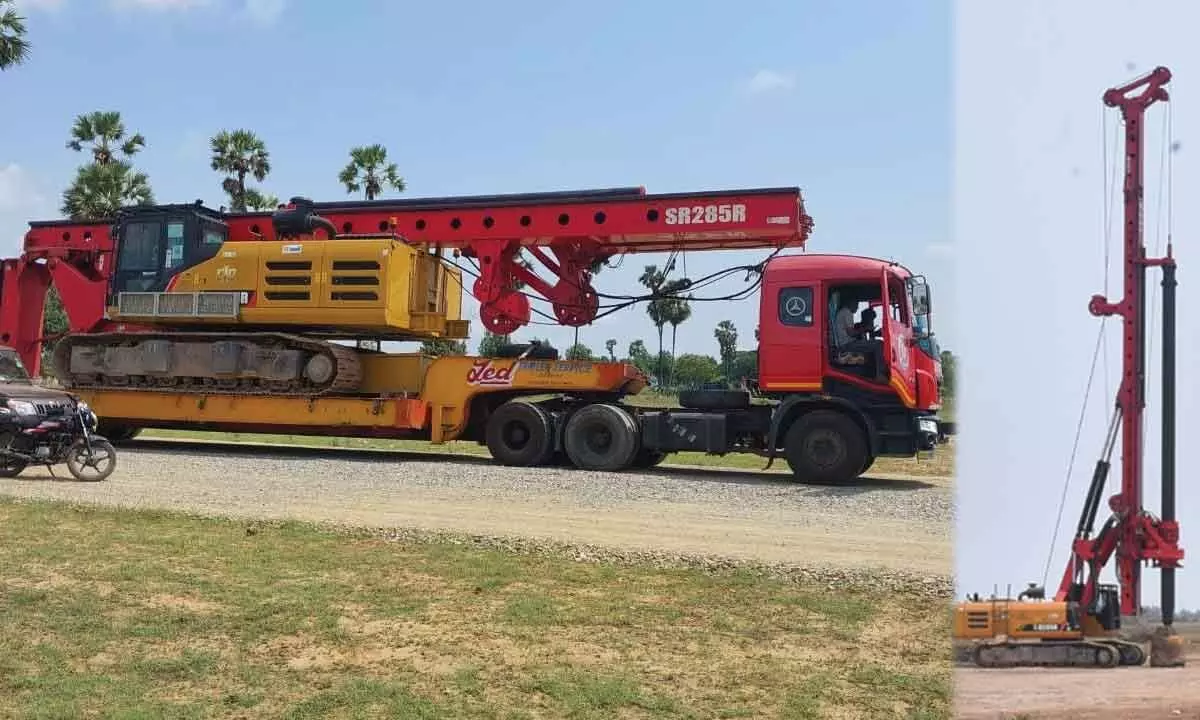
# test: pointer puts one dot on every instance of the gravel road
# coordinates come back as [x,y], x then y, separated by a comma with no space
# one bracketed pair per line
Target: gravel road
[898,526]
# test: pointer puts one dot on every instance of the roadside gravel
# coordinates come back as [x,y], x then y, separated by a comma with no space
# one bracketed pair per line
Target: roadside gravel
[894,533]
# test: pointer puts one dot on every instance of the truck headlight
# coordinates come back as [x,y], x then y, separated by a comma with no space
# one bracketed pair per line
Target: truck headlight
[22,407]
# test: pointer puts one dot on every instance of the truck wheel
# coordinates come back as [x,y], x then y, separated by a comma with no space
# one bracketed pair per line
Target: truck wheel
[825,447]
[648,458]
[601,437]
[520,433]
[118,434]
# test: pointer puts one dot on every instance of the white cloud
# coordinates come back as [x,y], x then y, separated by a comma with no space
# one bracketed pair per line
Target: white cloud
[765,81]
[263,12]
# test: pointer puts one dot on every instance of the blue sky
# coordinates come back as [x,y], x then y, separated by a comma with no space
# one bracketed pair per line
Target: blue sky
[1028,202]
[848,100]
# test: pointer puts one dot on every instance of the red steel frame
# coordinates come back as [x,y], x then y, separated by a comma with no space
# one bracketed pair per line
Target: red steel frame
[1134,535]
[566,232]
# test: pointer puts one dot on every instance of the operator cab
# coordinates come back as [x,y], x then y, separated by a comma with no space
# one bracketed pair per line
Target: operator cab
[856,330]
[154,244]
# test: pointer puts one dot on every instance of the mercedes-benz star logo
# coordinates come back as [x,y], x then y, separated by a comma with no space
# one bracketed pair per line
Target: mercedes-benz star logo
[795,306]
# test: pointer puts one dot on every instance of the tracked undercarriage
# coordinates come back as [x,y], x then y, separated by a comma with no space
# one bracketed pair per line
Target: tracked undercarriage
[1099,653]
[183,362]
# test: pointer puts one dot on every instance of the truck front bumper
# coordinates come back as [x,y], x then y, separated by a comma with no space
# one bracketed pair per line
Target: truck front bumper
[932,431]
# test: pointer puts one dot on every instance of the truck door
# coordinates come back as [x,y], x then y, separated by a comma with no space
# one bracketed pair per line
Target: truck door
[898,338]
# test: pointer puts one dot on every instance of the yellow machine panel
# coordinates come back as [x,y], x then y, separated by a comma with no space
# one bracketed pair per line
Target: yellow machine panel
[376,286]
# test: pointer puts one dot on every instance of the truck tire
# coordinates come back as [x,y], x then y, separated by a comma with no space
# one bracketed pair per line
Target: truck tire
[648,458]
[118,434]
[601,437]
[826,447]
[521,434]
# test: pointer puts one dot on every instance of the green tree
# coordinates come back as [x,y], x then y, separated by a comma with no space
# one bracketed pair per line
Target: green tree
[104,135]
[109,182]
[238,154]
[54,323]
[99,191]
[727,337]
[678,312]
[949,362]
[14,47]
[490,344]
[660,306]
[641,357]
[610,345]
[260,201]
[745,365]
[438,347]
[579,351]
[370,171]
[691,370]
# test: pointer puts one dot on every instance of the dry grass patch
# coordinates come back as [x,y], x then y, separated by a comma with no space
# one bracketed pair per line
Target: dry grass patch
[203,619]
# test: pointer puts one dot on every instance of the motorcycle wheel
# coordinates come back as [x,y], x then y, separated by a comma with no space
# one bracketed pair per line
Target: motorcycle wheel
[10,467]
[93,467]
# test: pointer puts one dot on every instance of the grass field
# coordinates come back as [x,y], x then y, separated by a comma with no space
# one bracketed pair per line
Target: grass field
[135,615]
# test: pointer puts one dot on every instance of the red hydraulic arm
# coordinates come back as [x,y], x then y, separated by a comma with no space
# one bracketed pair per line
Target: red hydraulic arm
[1132,533]
[565,232]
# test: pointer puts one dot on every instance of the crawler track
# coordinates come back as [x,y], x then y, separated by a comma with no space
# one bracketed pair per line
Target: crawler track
[185,362]
[1105,653]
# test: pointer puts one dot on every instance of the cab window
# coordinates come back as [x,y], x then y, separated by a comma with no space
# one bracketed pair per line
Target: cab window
[898,300]
[139,247]
[175,245]
[796,307]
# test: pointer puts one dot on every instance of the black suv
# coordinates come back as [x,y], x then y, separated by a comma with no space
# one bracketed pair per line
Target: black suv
[43,426]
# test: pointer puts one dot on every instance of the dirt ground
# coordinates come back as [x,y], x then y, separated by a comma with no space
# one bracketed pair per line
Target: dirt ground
[888,524]
[1138,693]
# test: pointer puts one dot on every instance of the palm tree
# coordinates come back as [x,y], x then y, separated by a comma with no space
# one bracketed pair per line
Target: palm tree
[256,200]
[100,190]
[104,133]
[678,312]
[239,153]
[109,181]
[14,48]
[369,171]
[611,346]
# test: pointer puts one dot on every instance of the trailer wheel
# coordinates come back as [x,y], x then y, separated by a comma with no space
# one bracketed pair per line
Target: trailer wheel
[825,447]
[520,433]
[601,437]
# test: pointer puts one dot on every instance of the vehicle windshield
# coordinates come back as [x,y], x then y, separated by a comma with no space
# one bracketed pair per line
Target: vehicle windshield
[11,368]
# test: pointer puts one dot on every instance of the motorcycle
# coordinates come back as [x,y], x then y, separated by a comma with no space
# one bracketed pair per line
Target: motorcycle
[49,434]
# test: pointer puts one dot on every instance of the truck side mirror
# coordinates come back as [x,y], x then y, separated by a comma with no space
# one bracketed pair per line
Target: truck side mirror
[920,298]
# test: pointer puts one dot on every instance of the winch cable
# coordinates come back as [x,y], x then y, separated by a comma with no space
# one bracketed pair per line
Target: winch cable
[1108,187]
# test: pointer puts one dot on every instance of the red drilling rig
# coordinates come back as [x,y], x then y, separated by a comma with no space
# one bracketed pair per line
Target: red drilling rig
[1081,625]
